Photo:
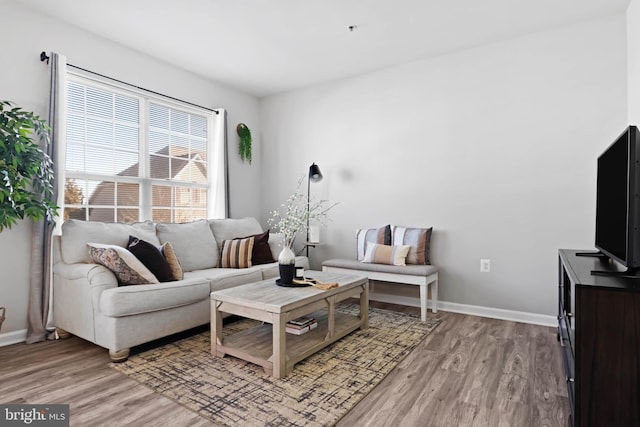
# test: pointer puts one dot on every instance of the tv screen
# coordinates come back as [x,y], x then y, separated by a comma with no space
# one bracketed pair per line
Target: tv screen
[617,200]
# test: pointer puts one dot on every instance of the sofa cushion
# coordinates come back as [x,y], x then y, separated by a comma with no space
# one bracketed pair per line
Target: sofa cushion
[231,228]
[386,254]
[192,242]
[152,258]
[76,234]
[236,253]
[222,278]
[130,300]
[365,236]
[128,269]
[418,238]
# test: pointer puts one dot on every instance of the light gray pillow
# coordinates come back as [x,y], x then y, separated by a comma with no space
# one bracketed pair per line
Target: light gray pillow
[76,234]
[192,242]
[276,243]
[229,228]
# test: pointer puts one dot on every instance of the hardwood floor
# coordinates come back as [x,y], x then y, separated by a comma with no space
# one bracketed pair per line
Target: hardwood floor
[470,371]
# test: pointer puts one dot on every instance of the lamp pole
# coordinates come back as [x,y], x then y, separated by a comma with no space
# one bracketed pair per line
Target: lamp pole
[316,176]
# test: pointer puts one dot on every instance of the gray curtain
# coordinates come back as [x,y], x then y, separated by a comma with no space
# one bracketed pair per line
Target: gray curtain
[38,328]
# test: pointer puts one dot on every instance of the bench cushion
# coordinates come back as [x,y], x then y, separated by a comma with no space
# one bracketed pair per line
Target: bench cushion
[412,270]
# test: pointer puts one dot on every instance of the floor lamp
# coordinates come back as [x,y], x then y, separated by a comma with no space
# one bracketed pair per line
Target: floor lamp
[314,176]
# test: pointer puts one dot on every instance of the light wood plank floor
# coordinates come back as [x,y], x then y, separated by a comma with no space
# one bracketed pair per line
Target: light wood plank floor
[471,371]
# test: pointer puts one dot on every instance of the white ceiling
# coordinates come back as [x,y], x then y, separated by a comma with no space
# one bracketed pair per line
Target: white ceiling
[270,46]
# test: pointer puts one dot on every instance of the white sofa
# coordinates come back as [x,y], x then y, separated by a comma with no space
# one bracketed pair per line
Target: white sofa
[88,303]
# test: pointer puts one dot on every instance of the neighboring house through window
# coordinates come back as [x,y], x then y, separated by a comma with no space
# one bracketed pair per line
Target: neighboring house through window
[132,155]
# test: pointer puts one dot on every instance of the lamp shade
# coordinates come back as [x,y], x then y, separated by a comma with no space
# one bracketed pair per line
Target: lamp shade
[314,173]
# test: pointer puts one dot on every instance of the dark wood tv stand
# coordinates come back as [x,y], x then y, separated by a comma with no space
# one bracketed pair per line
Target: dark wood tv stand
[599,332]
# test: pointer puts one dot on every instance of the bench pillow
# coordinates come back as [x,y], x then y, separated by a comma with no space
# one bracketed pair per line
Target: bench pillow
[365,236]
[418,238]
[386,254]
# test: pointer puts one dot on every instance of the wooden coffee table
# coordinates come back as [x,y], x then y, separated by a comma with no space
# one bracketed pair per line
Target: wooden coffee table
[269,345]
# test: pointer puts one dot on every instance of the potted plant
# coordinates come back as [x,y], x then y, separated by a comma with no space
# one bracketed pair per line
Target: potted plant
[293,217]
[26,172]
[245,142]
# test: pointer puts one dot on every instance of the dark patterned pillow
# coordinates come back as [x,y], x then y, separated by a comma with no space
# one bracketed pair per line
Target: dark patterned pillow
[418,238]
[381,236]
[152,258]
[127,268]
[236,253]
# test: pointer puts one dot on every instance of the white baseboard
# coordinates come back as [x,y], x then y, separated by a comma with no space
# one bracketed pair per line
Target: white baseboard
[14,337]
[473,310]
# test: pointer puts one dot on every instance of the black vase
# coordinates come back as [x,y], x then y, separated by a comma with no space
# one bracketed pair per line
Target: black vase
[287,272]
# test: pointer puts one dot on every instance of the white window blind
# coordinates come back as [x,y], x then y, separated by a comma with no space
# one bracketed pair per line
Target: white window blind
[132,156]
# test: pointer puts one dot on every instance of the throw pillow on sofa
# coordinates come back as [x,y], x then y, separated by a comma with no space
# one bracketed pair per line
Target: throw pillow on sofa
[152,258]
[386,254]
[261,250]
[172,259]
[127,268]
[236,253]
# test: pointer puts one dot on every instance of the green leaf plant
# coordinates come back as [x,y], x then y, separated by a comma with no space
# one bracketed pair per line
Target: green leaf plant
[26,172]
[245,142]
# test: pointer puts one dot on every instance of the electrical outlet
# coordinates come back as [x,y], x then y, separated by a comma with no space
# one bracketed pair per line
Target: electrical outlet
[485,265]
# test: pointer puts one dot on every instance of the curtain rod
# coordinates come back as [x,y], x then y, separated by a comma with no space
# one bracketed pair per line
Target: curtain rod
[45,57]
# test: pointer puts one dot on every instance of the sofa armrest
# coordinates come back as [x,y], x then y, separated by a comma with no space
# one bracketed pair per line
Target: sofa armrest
[97,277]
[76,295]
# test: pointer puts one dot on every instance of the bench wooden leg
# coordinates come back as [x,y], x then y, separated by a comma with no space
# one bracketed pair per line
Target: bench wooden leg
[423,302]
[434,296]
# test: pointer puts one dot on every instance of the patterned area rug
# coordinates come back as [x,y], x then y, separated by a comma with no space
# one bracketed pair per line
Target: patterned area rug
[320,390]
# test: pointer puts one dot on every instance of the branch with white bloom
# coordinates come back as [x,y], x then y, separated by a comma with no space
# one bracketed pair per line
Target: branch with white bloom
[294,214]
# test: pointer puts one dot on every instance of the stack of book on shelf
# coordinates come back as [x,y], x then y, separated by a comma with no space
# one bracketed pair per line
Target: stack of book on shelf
[301,325]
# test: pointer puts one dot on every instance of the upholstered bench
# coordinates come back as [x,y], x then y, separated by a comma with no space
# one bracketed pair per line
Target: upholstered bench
[424,276]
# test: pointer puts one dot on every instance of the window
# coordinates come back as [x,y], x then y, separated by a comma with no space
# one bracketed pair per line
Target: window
[132,155]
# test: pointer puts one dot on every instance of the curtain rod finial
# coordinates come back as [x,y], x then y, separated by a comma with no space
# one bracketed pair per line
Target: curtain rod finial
[44,56]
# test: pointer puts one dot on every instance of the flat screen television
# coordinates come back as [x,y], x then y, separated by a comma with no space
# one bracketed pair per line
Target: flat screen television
[618,201]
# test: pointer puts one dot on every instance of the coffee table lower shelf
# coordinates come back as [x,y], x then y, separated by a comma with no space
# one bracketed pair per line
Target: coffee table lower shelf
[268,345]
[255,345]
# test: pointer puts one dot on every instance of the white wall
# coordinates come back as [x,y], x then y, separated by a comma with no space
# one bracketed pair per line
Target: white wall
[495,147]
[23,80]
[633,59]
